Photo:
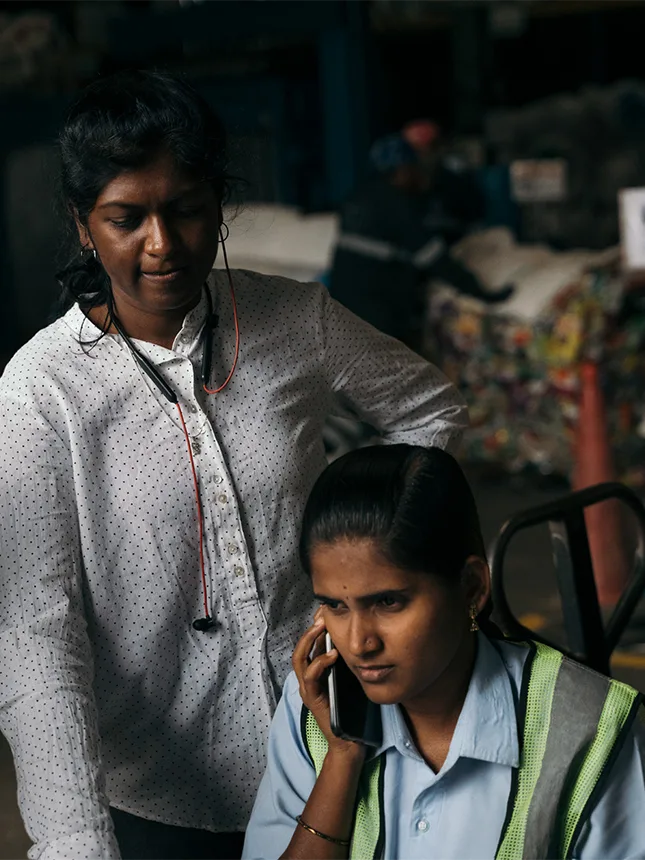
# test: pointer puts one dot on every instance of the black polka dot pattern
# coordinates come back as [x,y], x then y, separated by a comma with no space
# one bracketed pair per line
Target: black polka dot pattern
[99,565]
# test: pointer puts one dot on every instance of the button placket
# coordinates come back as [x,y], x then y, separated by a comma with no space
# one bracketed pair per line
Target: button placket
[227,543]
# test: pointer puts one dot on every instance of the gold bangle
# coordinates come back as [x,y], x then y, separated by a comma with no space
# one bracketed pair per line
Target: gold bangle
[321,835]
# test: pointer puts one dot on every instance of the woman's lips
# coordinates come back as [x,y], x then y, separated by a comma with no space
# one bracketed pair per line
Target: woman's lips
[165,277]
[373,674]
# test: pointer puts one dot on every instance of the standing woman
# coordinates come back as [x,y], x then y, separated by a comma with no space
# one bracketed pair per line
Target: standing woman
[158,444]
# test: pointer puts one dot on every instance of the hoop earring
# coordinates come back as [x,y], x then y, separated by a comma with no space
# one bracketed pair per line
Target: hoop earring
[474,626]
[222,237]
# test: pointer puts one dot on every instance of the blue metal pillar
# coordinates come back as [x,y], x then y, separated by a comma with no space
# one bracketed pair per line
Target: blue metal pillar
[345,101]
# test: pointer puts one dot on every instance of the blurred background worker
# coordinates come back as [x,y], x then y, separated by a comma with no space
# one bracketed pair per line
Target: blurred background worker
[454,202]
[385,251]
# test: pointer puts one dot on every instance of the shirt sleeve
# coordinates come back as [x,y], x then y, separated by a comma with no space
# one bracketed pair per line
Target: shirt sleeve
[616,827]
[379,380]
[287,782]
[47,708]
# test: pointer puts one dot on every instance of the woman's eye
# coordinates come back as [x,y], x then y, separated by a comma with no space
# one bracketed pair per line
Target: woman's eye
[332,605]
[389,602]
[189,211]
[125,223]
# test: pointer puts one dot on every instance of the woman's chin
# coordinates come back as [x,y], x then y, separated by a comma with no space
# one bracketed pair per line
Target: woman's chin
[382,694]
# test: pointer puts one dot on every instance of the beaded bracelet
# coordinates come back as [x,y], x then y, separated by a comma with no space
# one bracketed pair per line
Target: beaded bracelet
[321,835]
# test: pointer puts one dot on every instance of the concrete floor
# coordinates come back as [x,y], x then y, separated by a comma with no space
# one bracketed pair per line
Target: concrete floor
[531,591]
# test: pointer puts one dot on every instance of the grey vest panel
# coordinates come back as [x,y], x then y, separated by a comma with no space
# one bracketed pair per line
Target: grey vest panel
[574,719]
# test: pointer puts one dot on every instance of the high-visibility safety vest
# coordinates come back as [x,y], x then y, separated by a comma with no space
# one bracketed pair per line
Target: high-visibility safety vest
[572,723]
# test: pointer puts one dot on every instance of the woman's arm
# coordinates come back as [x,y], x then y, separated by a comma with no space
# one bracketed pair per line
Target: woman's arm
[379,380]
[329,810]
[330,807]
[289,788]
[47,708]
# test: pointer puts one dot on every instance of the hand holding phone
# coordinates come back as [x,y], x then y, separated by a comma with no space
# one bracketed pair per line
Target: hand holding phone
[325,678]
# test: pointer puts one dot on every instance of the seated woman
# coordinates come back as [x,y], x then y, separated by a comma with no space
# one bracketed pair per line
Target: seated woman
[489,748]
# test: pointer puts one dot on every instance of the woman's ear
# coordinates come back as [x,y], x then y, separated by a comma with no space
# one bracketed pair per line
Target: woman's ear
[475,580]
[83,232]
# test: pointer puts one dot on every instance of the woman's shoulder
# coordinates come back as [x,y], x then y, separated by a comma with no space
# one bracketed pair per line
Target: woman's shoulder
[51,356]
[256,290]
[287,726]
[291,694]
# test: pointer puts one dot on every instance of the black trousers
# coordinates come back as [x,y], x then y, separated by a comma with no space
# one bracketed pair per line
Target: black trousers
[150,840]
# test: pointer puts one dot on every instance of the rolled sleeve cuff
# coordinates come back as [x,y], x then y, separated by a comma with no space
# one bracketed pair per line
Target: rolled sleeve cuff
[87,845]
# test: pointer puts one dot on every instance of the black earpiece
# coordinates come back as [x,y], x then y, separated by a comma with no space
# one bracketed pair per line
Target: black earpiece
[146,366]
[204,623]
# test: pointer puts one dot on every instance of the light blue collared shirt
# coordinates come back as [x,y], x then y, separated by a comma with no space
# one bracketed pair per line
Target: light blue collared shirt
[457,813]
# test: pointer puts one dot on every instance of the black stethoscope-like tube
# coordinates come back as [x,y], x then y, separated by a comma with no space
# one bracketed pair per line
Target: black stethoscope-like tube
[151,371]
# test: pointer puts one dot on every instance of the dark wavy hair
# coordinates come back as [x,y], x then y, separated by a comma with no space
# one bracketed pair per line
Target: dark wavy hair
[413,502]
[122,122]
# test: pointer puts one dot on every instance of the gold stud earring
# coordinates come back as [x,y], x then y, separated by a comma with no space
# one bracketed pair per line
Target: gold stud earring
[474,626]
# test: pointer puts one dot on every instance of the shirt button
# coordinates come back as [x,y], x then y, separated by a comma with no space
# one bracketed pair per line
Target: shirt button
[218,479]
[191,408]
[233,549]
[422,825]
[238,570]
[197,447]
[223,498]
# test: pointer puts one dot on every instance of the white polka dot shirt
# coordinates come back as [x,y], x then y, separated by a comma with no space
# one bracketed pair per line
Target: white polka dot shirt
[108,696]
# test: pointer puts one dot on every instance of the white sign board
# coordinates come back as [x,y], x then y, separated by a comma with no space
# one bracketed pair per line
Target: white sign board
[631,204]
[542,180]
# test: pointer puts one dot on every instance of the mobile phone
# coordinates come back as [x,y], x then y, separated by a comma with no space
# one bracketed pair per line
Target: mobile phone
[353,716]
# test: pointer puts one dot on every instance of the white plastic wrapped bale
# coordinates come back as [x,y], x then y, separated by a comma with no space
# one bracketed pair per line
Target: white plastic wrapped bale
[279,240]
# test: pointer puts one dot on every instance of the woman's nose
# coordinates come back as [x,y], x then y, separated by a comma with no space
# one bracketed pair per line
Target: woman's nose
[363,638]
[160,241]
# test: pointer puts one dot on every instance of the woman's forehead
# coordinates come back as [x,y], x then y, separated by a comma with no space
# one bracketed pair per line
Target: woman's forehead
[356,561]
[161,180]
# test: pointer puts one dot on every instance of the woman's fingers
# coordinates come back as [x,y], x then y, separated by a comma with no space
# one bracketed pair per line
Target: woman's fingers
[319,645]
[319,666]
[300,659]
[313,686]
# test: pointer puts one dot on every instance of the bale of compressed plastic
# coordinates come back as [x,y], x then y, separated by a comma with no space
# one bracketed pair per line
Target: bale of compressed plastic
[518,364]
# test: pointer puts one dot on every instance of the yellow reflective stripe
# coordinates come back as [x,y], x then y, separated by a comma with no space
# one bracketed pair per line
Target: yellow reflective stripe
[316,742]
[544,673]
[618,705]
[367,821]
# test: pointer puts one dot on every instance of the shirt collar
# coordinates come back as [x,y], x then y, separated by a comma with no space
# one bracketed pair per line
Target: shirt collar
[83,328]
[487,725]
